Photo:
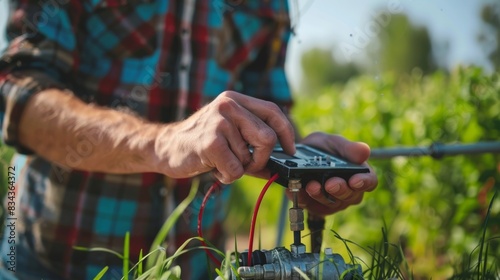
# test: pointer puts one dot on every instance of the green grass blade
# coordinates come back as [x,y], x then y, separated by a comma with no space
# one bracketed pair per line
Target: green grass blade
[181,249]
[237,254]
[301,273]
[483,263]
[139,264]
[220,274]
[98,249]
[169,223]
[126,255]
[101,273]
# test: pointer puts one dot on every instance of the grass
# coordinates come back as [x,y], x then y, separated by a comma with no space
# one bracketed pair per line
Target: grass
[159,265]
[387,260]
[478,264]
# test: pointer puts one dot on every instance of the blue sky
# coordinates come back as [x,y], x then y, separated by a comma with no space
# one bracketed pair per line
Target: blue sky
[330,22]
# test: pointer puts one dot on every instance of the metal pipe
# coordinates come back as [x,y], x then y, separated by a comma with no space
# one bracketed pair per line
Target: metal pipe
[437,150]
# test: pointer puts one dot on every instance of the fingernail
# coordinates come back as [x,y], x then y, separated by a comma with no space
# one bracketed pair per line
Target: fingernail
[334,189]
[358,185]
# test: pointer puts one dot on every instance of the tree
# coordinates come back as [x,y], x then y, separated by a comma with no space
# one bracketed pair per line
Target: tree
[402,47]
[489,36]
[320,68]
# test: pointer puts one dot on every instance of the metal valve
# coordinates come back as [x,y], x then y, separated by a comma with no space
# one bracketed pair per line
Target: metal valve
[281,263]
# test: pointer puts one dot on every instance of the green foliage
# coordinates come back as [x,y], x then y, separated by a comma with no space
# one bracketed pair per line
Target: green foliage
[401,47]
[321,68]
[386,260]
[101,273]
[476,264]
[435,207]
[489,37]
[159,265]
[170,222]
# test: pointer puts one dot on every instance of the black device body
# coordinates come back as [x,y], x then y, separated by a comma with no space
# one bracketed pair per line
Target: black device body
[308,164]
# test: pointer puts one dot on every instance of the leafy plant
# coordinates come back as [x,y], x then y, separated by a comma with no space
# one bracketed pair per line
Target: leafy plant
[434,208]
[437,211]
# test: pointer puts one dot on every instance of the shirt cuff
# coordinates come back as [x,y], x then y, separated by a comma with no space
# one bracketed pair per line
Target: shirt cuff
[16,89]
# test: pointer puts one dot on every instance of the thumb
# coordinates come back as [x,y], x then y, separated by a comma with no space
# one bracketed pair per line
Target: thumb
[355,152]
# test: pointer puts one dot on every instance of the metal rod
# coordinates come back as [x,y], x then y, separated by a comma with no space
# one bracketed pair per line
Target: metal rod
[437,150]
[281,222]
[316,225]
[296,238]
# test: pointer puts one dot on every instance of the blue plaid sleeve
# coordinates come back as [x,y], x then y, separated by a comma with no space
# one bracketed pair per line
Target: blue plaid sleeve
[41,52]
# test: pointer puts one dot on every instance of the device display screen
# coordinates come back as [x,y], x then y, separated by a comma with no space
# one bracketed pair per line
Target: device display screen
[280,155]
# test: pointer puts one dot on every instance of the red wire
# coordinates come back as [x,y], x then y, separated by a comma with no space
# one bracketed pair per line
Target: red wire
[254,216]
[215,185]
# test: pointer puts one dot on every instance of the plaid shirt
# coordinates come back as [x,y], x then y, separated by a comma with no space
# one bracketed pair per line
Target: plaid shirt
[158,59]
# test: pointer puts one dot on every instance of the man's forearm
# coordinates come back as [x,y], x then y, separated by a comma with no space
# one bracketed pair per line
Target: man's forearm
[61,128]
[65,130]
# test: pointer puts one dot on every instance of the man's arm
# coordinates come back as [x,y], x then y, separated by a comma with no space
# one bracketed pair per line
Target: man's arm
[42,116]
[60,127]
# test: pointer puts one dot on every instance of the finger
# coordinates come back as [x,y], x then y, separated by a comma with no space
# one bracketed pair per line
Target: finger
[323,208]
[334,189]
[338,188]
[364,181]
[262,138]
[228,171]
[253,131]
[238,146]
[329,202]
[271,115]
[227,166]
[354,199]
[317,193]
[356,152]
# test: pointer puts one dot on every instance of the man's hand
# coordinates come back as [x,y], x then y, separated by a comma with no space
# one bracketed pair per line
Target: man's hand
[339,193]
[216,138]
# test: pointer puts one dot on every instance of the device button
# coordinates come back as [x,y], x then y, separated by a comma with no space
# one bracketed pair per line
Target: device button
[291,163]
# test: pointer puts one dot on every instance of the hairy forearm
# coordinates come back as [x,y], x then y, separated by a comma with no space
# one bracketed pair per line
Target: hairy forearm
[61,128]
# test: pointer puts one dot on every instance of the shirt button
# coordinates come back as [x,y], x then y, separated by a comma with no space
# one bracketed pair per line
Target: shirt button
[163,192]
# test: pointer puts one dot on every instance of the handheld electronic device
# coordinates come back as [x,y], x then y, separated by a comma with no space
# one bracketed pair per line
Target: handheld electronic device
[308,164]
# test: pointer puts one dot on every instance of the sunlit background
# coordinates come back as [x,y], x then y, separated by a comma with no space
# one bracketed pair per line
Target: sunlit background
[454,28]
[398,73]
